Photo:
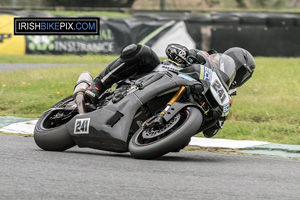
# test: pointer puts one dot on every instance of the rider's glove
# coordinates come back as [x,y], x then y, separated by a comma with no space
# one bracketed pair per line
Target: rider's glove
[177,53]
[181,55]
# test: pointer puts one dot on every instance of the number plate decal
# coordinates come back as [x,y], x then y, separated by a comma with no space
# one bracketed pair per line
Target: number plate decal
[82,126]
[218,91]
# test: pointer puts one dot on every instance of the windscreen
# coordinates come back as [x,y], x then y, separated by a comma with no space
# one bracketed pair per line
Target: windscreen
[226,67]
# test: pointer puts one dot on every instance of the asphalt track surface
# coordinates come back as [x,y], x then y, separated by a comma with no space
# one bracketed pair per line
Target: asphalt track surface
[27,172]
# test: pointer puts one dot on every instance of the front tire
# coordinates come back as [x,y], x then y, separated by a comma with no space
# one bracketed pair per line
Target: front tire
[52,138]
[141,147]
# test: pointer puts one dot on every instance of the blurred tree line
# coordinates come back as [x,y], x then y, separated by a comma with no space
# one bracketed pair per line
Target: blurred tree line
[262,3]
[216,4]
[68,3]
[156,4]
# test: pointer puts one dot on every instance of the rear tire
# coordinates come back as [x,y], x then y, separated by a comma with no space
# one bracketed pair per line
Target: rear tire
[52,139]
[141,149]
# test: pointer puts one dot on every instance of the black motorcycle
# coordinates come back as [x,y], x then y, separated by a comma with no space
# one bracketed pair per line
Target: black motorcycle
[148,115]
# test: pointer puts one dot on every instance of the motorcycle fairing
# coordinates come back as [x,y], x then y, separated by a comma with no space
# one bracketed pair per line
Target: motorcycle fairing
[109,126]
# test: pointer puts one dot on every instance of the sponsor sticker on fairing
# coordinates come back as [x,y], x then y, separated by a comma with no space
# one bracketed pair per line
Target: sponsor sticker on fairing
[226,109]
[186,77]
[207,74]
[170,68]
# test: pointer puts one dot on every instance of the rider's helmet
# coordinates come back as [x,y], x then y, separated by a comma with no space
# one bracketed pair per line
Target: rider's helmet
[244,63]
[177,53]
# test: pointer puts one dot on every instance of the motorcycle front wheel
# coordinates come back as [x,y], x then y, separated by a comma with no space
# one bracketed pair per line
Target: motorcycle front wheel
[154,142]
[50,131]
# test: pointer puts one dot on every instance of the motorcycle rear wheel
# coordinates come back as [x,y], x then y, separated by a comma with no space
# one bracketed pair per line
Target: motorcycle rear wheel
[52,138]
[145,146]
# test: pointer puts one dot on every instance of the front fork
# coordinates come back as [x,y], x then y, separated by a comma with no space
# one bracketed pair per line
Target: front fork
[175,98]
[158,119]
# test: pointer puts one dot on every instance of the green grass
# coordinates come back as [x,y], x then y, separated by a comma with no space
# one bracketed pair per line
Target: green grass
[90,13]
[60,59]
[266,108]
[28,93]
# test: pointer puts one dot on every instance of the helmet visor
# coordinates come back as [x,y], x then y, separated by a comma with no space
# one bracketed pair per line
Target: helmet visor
[242,76]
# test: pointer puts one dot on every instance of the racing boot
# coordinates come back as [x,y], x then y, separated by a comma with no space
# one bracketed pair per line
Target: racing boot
[210,132]
[93,92]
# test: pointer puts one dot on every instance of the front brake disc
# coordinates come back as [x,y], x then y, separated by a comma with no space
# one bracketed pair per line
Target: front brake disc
[157,130]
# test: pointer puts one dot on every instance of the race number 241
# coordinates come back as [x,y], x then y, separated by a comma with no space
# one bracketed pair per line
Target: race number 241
[218,88]
[82,126]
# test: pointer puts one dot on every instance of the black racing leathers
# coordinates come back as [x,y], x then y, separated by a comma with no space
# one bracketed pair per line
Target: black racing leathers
[135,59]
